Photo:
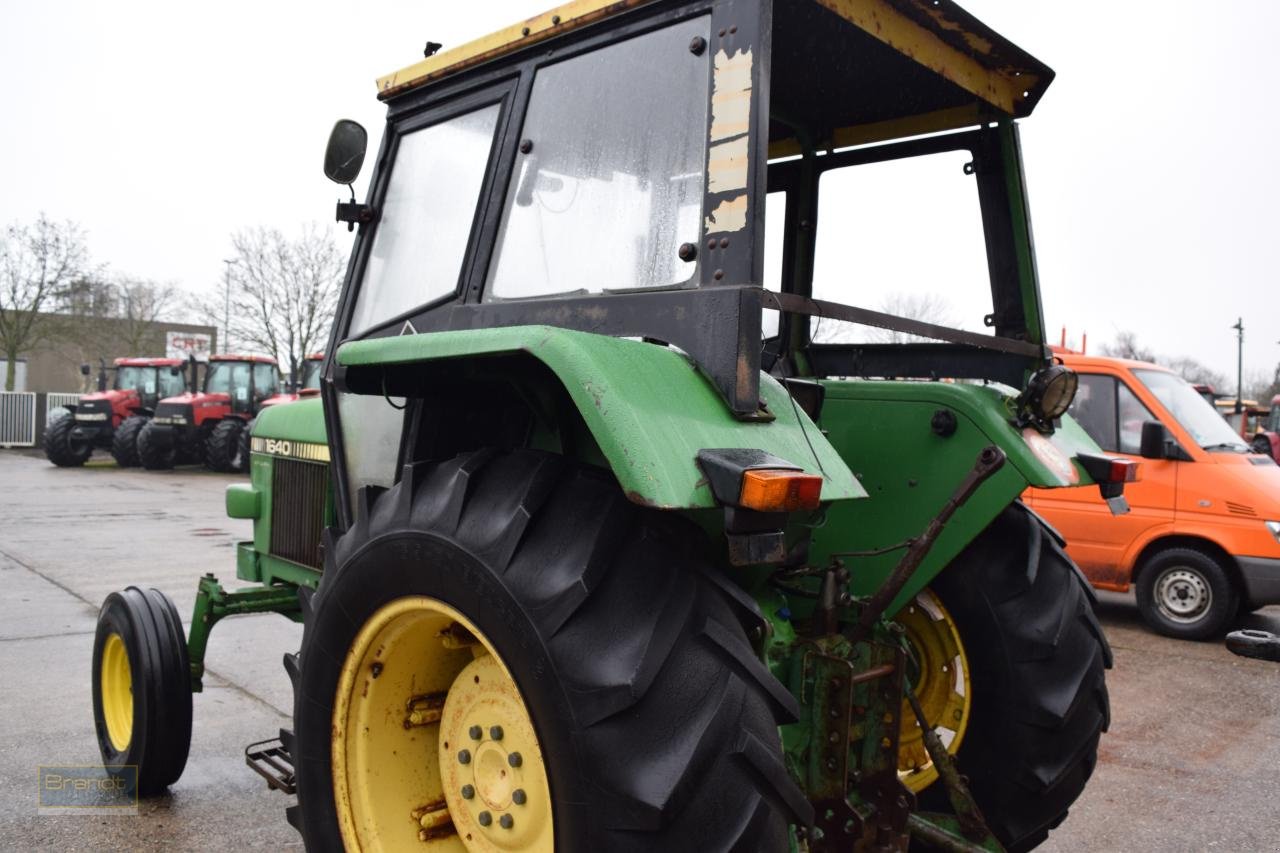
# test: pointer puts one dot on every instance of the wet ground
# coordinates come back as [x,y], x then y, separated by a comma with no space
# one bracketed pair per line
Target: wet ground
[1191,762]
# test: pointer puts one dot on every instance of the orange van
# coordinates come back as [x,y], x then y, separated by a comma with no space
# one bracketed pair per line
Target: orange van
[1201,540]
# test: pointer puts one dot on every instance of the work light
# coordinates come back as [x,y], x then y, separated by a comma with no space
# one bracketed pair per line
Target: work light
[1049,394]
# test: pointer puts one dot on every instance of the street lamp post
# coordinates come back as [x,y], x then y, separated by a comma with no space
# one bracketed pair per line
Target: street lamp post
[1239,327]
[226,305]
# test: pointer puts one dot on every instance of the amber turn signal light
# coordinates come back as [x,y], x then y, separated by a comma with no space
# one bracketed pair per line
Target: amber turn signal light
[769,490]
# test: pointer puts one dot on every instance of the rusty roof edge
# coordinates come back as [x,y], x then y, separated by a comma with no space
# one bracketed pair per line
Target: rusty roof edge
[554,22]
[964,32]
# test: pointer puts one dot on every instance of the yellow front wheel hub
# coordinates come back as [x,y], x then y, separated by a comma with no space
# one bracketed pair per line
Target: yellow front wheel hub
[117,692]
[433,746]
[941,685]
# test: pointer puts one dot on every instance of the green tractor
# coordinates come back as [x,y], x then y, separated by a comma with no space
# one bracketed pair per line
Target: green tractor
[601,539]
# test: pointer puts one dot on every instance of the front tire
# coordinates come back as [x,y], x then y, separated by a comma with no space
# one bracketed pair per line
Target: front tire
[141,689]
[1186,594]
[1036,657]
[224,450]
[156,447]
[656,723]
[61,448]
[124,444]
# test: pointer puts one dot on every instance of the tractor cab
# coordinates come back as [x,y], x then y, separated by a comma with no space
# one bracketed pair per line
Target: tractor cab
[152,379]
[243,381]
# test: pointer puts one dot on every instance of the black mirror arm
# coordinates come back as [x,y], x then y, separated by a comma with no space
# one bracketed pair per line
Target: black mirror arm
[353,212]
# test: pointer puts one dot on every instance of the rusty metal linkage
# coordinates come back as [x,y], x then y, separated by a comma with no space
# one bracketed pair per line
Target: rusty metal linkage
[990,459]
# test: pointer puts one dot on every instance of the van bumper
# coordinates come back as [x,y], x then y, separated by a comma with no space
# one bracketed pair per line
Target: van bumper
[1261,579]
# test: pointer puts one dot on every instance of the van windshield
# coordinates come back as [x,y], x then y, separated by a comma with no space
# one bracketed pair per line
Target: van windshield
[1197,417]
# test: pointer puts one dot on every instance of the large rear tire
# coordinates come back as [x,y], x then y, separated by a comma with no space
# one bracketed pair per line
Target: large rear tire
[224,450]
[156,447]
[1036,659]
[61,448]
[657,726]
[142,689]
[124,444]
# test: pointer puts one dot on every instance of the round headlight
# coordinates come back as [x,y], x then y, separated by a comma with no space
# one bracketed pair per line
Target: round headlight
[1050,392]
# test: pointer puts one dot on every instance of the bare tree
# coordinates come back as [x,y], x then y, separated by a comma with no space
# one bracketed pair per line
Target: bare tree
[139,304]
[38,262]
[283,292]
[925,307]
[1126,346]
[1197,373]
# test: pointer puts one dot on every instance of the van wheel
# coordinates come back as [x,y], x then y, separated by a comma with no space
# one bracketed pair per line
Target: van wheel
[1187,594]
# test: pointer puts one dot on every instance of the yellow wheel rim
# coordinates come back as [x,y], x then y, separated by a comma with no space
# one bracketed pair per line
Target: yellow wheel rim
[433,747]
[116,688]
[941,685]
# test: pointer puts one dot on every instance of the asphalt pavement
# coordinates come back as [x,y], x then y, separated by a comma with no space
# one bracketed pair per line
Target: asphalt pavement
[1192,761]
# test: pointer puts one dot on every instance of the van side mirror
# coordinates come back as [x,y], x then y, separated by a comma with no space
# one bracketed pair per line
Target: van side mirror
[1154,444]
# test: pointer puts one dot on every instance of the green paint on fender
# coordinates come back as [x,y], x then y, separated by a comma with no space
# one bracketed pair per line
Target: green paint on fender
[883,430]
[646,405]
[302,420]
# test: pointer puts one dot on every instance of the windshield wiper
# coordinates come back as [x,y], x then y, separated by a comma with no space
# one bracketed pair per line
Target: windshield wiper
[1226,445]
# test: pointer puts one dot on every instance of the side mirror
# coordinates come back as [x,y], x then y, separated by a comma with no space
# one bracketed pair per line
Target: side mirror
[174,371]
[85,369]
[345,154]
[1154,444]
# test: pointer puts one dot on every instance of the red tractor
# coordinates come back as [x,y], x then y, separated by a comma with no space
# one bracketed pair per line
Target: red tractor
[113,418]
[1267,438]
[306,384]
[208,426]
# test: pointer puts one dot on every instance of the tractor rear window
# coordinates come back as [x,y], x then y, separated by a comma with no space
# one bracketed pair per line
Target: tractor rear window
[903,237]
[610,176]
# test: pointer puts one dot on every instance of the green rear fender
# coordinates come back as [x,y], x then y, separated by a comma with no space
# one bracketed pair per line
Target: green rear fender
[647,407]
[885,431]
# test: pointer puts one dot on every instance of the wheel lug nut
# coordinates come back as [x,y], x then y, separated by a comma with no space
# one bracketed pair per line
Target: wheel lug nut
[484,818]
[476,733]
[513,759]
[518,797]
[468,792]
[506,821]
[464,757]
[495,732]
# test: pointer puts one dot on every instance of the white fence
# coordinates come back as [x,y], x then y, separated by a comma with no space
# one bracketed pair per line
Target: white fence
[57,400]
[17,419]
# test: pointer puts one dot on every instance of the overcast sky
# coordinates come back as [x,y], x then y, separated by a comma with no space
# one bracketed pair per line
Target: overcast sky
[162,127]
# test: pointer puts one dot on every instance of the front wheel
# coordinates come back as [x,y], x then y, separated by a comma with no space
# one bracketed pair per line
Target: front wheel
[506,650]
[141,689]
[1185,593]
[1021,659]
[224,449]
[124,444]
[62,448]
[156,450]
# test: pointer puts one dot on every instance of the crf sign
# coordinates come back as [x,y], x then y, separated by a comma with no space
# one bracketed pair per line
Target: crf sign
[185,344]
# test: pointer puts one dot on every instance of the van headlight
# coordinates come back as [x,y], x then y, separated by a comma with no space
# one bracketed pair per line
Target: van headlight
[1274,527]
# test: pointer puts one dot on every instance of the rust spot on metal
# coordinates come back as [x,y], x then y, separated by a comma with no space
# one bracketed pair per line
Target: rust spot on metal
[1107,576]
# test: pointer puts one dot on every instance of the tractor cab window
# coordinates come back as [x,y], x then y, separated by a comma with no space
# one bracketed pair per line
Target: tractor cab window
[232,378]
[310,376]
[135,378]
[171,383]
[902,237]
[425,219]
[610,174]
[266,381]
